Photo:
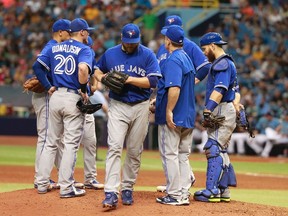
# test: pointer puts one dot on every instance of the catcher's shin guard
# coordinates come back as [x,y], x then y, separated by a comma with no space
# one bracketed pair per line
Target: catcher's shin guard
[228,178]
[214,173]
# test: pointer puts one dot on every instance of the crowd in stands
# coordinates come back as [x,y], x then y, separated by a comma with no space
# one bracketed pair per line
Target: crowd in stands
[25,27]
[257,36]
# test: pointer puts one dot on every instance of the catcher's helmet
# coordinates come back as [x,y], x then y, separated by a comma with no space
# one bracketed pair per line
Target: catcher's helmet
[211,37]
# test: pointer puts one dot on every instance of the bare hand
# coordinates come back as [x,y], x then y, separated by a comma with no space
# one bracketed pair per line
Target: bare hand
[85,97]
[51,90]
[169,119]
[152,106]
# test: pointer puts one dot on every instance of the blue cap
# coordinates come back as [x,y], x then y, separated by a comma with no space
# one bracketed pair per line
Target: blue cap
[130,33]
[90,41]
[79,24]
[61,24]
[171,20]
[175,33]
[211,37]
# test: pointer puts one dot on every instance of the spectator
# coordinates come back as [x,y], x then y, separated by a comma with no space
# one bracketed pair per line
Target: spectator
[150,21]
[238,139]
[267,121]
[277,136]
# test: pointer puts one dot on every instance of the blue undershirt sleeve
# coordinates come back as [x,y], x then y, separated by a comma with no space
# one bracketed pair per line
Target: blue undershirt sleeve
[153,81]
[40,72]
[203,71]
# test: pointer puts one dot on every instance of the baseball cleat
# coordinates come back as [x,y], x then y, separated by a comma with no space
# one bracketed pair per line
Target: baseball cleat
[75,193]
[207,195]
[94,184]
[127,197]
[78,185]
[44,190]
[185,201]
[225,195]
[111,200]
[168,200]
[53,184]
[161,188]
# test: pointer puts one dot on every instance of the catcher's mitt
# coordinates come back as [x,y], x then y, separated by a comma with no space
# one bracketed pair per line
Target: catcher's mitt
[88,108]
[242,121]
[115,81]
[212,121]
[34,85]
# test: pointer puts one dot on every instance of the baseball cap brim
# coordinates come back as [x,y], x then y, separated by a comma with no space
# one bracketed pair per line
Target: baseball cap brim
[90,29]
[130,40]
[220,42]
[164,30]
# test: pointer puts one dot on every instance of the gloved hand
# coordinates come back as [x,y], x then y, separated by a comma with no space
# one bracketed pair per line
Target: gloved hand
[212,121]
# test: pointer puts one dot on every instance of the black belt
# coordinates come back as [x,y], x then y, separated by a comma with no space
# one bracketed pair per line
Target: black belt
[134,102]
[226,101]
[69,90]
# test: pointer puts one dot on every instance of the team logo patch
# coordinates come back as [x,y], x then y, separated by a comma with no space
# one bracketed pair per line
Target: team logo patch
[171,20]
[131,33]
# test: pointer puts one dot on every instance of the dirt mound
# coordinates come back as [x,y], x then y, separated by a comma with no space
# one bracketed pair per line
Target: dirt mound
[28,202]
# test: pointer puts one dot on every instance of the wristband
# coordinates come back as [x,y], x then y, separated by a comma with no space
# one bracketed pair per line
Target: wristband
[83,88]
[211,105]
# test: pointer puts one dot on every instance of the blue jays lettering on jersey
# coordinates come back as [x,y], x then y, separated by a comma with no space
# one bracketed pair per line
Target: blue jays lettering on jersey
[64,59]
[194,52]
[222,74]
[173,75]
[141,63]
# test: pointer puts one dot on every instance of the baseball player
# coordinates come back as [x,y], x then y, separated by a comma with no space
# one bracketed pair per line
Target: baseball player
[128,114]
[70,63]
[40,100]
[199,61]
[89,138]
[175,115]
[220,94]
[100,117]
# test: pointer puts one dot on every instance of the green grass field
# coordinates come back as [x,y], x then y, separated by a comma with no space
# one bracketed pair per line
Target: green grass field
[25,155]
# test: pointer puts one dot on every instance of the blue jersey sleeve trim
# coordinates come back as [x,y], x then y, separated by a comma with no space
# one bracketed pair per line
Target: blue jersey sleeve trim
[202,65]
[90,70]
[42,63]
[221,86]
[154,74]
[220,90]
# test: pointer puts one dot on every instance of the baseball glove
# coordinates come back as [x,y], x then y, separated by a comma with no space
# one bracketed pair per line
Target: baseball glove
[34,85]
[212,121]
[115,81]
[88,108]
[242,121]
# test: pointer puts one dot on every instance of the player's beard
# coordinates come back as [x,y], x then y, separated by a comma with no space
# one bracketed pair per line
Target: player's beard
[85,40]
[129,48]
[210,55]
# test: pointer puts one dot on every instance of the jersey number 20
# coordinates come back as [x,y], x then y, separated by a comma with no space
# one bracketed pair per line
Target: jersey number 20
[66,65]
